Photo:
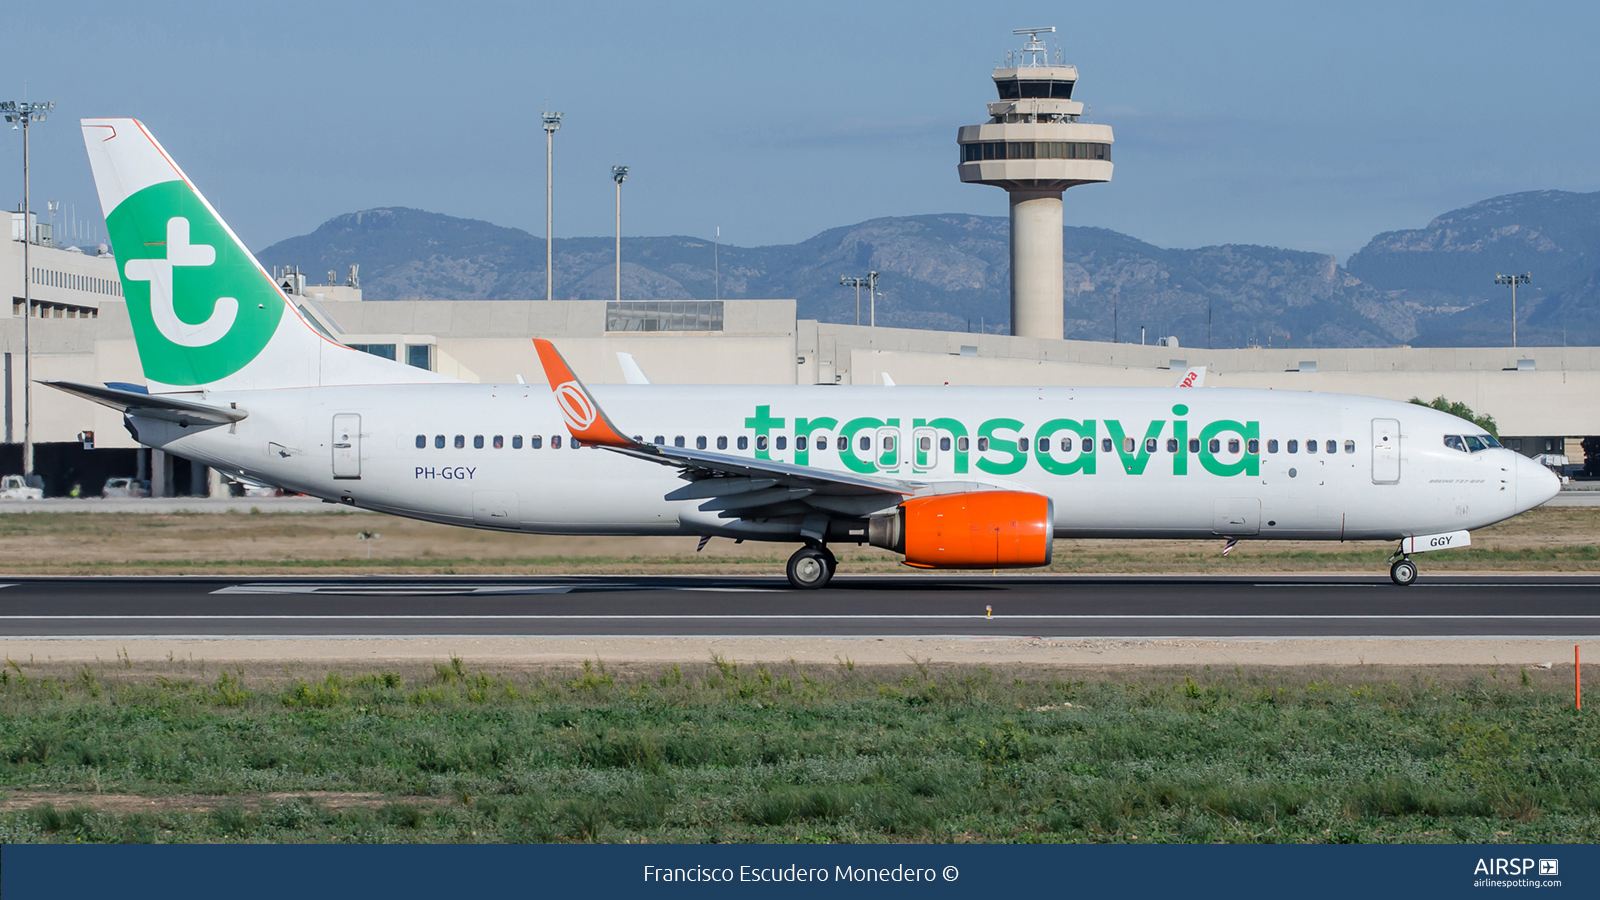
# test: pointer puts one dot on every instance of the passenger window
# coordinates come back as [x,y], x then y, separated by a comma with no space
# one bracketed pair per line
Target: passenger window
[1022,444]
[461,441]
[800,443]
[1311,446]
[1216,446]
[536,442]
[499,442]
[1272,446]
[865,442]
[1044,444]
[1475,443]
[575,444]
[1233,445]
[661,439]
[983,444]
[1332,447]
[1254,446]
[944,444]
[1105,445]
[961,443]
[1349,446]
[677,441]
[781,442]
[1294,447]
[744,442]
[843,443]
[555,442]
[1149,445]
[700,442]
[1172,445]
[422,441]
[438,441]
[516,442]
[761,442]
[924,444]
[722,442]
[1127,445]
[477,442]
[1194,445]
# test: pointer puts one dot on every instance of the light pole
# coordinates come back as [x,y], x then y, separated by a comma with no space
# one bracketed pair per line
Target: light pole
[619,174]
[870,282]
[872,299]
[552,124]
[856,282]
[25,114]
[1513,280]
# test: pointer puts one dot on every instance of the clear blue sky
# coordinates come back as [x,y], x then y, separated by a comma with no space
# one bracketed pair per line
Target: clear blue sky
[1311,126]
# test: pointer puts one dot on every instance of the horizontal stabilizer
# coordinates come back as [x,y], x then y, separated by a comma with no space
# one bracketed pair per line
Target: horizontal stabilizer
[152,406]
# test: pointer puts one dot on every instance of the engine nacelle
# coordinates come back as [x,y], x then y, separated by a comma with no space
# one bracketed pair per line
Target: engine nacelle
[975,530]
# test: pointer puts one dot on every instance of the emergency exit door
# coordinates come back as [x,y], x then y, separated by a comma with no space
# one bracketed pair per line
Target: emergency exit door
[347,445]
[1385,451]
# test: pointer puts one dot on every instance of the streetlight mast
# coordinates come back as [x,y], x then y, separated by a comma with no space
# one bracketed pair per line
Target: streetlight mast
[619,174]
[1513,280]
[25,114]
[552,124]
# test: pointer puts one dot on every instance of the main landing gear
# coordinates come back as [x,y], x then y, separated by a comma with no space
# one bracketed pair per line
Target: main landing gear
[811,568]
[1403,571]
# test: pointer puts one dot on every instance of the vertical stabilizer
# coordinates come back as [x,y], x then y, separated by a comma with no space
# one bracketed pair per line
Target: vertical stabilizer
[205,314]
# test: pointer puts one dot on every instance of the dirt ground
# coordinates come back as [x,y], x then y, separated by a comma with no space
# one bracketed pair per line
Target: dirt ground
[1548,539]
[286,656]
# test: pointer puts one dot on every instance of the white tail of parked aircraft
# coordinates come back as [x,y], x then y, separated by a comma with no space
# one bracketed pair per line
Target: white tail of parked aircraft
[951,477]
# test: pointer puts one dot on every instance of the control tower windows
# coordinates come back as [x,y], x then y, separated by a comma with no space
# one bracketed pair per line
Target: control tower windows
[1034,150]
[1018,89]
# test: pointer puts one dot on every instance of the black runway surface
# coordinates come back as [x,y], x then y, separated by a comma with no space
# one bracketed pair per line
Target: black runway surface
[1043,606]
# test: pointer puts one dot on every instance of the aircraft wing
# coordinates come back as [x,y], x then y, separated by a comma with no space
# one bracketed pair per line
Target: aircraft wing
[152,406]
[736,487]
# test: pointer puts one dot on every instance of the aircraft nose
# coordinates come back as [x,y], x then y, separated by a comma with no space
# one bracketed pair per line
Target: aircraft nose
[1535,484]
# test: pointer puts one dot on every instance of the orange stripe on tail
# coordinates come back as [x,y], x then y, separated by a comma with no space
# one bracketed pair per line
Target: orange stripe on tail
[585,419]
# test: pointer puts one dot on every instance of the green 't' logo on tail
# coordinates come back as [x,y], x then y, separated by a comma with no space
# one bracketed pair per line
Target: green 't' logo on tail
[199,306]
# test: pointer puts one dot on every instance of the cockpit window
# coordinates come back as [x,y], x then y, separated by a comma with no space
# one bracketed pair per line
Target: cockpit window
[1489,439]
[1475,443]
[1454,442]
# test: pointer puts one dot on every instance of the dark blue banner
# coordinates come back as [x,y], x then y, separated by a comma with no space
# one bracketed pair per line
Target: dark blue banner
[245,872]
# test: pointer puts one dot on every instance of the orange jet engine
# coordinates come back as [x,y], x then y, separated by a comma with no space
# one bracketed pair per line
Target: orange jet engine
[976,530]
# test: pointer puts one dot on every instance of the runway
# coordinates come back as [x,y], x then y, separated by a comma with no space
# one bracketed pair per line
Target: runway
[964,605]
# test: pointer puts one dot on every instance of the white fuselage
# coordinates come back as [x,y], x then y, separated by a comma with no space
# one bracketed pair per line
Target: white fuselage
[1100,488]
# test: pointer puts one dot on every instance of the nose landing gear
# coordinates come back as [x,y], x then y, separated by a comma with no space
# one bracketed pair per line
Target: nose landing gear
[1403,571]
[811,568]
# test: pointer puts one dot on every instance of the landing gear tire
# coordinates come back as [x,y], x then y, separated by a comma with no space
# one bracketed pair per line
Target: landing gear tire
[811,568]
[1403,572]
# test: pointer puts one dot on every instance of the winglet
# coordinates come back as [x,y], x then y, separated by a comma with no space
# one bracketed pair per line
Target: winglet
[585,419]
[1194,377]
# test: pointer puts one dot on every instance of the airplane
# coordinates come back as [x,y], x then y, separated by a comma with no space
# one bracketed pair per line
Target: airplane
[951,477]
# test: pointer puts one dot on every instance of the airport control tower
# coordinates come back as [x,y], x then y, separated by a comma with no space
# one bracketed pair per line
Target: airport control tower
[1034,146]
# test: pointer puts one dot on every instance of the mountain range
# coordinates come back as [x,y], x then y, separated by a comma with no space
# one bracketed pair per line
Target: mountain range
[1431,286]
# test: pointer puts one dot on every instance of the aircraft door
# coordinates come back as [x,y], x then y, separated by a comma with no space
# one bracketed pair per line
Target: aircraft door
[888,440]
[925,449]
[347,445]
[1385,451]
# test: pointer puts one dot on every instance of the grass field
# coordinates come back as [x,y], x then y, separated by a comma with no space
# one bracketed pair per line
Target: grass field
[783,753]
[1553,540]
